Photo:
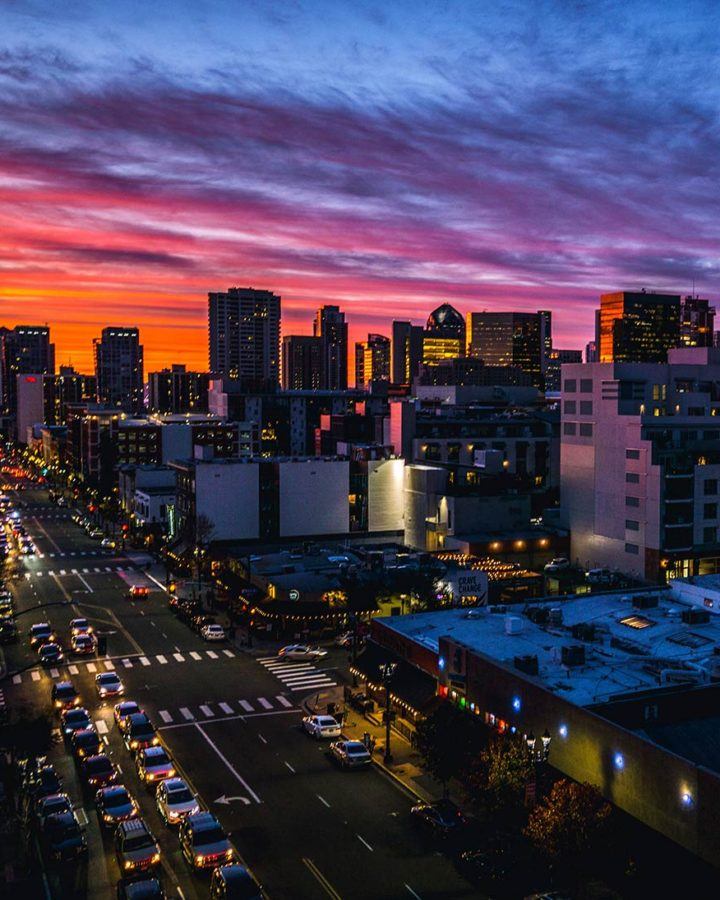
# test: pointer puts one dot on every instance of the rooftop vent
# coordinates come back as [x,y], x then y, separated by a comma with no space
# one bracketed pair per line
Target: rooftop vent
[573,656]
[513,625]
[538,614]
[695,616]
[645,601]
[527,664]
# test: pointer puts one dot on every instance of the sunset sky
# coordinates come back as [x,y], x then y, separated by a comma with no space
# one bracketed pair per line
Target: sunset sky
[383,156]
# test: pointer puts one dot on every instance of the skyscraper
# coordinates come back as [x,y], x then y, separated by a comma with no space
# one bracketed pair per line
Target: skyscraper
[25,349]
[445,335]
[697,319]
[638,326]
[119,368]
[511,339]
[331,327]
[244,330]
[407,351]
[302,363]
[372,360]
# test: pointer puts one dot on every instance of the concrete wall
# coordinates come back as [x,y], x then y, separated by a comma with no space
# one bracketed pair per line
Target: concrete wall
[313,497]
[229,496]
[30,404]
[385,494]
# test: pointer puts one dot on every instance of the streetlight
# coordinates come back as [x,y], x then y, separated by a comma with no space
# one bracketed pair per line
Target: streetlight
[538,755]
[387,671]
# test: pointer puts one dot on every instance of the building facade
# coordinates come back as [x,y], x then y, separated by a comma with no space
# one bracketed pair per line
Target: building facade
[24,350]
[407,351]
[638,326]
[511,339]
[119,369]
[445,335]
[330,326]
[175,390]
[302,363]
[372,361]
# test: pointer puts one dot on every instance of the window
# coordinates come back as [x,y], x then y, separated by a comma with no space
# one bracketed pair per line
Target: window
[710,511]
[632,501]
[709,535]
[634,549]
[632,454]
[586,429]
[570,386]
[632,525]
[586,385]
[569,428]
[570,407]
[710,487]
[632,478]
[586,408]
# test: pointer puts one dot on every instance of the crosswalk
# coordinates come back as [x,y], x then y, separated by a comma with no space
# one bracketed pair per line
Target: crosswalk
[124,662]
[217,710]
[298,676]
[74,553]
[84,570]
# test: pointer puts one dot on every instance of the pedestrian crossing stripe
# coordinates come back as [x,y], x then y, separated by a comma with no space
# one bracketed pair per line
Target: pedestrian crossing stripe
[185,714]
[297,676]
[165,716]
[179,657]
[283,701]
[206,711]
[161,659]
[264,703]
[195,655]
[226,708]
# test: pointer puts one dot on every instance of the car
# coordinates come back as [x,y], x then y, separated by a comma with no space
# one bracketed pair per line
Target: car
[122,710]
[82,644]
[114,805]
[85,742]
[64,695]
[175,801]
[198,622]
[187,611]
[301,651]
[8,632]
[212,632]
[63,838]
[50,654]
[144,887]
[559,564]
[321,727]
[80,626]
[139,732]
[109,685]
[203,842]
[442,817]
[72,720]
[233,882]
[99,771]
[153,764]
[50,805]
[27,548]
[107,543]
[599,576]
[135,847]
[138,592]
[41,633]
[350,754]
[42,782]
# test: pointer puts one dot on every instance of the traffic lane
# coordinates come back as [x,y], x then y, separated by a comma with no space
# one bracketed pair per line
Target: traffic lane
[366,802]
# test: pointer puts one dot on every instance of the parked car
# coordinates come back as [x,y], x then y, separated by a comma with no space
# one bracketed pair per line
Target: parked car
[122,711]
[153,765]
[350,754]
[139,733]
[441,817]
[599,576]
[361,702]
[135,847]
[321,727]
[74,720]
[63,838]
[114,804]
[84,743]
[50,654]
[99,771]
[41,633]
[559,564]
[234,882]
[50,805]
[109,685]
[64,695]
[8,632]
[344,640]
[213,632]
[145,887]
[42,782]
[203,842]
[301,652]
[175,801]
[187,610]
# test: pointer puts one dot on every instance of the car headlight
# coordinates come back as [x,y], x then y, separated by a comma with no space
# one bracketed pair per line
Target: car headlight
[107,818]
[156,857]
[156,741]
[228,854]
[150,776]
[171,773]
[133,745]
[199,859]
[58,704]
[129,864]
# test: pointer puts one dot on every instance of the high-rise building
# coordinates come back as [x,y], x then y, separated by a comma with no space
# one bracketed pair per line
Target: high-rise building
[638,326]
[697,320]
[407,351]
[511,339]
[330,326]
[372,360]
[546,337]
[445,335]
[175,390]
[68,386]
[119,368]
[24,350]
[591,352]
[302,363]
[556,359]
[244,327]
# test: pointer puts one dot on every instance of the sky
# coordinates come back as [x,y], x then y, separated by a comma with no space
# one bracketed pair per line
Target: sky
[383,156]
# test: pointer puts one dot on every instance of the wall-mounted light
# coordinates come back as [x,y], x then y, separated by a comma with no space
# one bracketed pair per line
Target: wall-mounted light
[686,798]
[516,704]
[441,663]
[619,761]
[563,731]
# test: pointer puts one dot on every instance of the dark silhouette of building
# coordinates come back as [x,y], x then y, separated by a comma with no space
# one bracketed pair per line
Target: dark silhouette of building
[516,339]
[330,326]
[407,351]
[25,349]
[302,363]
[244,329]
[68,386]
[556,359]
[697,319]
[638,326]
[119,369]
[175,390]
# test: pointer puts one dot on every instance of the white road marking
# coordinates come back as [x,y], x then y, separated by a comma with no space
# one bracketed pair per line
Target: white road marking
[264,703]
[165,715]
[35,675]
[311,687]
[17,679]
[186,714]
[246,706]
[283,701]
[262,738]
[323,800]
[126,662]
[290,767]
[363,841]
[195,655]
[229,654]
[84,581]
[412,892]
[63,572]
[226,708]
[109,665]
[229,765]
[91,667]
[306,679]
[212,654]
[54,673]
[101,726]
[144,660]
[289,667]
[206,711]
[73,670]
[179,657]
[161,659]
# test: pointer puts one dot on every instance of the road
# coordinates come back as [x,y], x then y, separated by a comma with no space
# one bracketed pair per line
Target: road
[231,721]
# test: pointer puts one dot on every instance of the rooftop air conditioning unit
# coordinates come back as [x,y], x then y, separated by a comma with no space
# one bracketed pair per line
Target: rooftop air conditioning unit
[513,625]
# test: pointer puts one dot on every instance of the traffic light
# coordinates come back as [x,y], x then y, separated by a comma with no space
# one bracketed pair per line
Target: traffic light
[172,587]
[125,528]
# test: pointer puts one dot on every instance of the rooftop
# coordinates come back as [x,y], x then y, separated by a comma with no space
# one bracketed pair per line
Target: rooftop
[629,644]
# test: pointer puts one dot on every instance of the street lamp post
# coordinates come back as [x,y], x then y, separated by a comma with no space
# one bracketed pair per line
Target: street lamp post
[539,751]
[387,671]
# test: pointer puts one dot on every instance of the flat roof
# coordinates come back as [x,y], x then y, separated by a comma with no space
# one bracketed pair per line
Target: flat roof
[633,649]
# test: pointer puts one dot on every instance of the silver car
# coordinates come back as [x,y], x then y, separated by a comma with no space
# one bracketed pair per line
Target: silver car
[175,801]
[321,727]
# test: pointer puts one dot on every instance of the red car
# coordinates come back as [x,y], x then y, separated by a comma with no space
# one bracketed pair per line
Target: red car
[138,592]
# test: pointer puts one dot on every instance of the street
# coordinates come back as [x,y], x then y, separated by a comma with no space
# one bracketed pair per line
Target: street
[230,719]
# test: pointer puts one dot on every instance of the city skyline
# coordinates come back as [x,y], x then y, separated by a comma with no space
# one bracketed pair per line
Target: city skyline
[399,158]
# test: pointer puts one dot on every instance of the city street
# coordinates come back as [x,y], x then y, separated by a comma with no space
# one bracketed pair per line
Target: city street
[305,828]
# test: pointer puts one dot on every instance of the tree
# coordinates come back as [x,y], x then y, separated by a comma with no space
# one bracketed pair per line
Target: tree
[568,824]
[503,770]
[204,530]
[447,740]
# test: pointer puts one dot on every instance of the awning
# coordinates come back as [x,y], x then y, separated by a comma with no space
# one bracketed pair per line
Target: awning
[410,685]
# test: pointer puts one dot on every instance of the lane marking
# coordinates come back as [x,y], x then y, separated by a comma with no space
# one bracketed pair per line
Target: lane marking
[35,675]
[264,703]
[290,767]
[186,714]
[243,717]
[283,701]
[54,673]
[262,738]
[228,764]
[195,655]
[323,800]
[17,679]
[126,662]
[363,841]
[161,659]
[91,667]
[246,706]
[309,676]
[229,654]
[73,670]
[84,581]
[321,879]
[109,665]
[412,892]
[226,708]
[310,687]
[165,716]
[206,711]
[212,654]
[179,657]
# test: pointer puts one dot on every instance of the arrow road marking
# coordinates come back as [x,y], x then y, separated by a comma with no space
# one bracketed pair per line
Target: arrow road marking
[228,763]
[226,801]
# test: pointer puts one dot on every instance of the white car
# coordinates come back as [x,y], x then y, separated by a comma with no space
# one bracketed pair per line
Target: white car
[109,685]
[558,564]
[301,651]
[175,801]
[321,727]
[213,633]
